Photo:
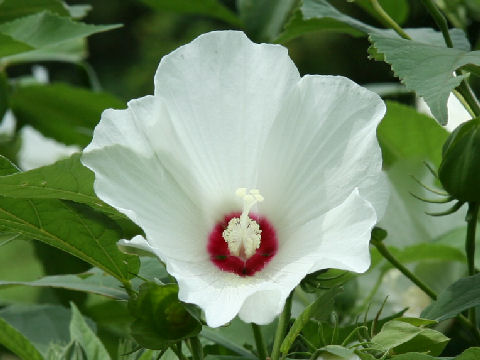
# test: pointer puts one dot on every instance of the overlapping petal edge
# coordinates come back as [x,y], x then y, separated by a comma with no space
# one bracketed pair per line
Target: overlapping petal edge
[228,113]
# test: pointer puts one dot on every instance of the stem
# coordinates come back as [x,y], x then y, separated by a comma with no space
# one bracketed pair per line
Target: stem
[466,91]
[471,219]
[261,348]
[128,287]
[440,20]
[378,8]
[177,349]
[382,249]
[196,348]
[283,321]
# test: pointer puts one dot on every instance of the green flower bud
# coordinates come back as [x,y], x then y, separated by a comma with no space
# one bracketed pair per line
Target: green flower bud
[459,171]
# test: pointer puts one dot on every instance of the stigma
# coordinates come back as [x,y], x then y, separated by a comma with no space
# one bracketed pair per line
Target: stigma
[243,234]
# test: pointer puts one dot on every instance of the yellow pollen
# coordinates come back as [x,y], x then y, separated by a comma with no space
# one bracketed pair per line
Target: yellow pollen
[243,234]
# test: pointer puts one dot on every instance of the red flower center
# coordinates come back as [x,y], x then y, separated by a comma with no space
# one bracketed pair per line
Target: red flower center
[220,254]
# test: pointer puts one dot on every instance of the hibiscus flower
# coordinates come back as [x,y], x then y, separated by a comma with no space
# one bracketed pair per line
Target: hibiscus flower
[244,176]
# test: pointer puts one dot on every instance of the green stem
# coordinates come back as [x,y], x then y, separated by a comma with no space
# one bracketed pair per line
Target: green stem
[128,287]
[177,349]
[439,19]
[382,249]
[261,348]
[471,218]
[466,91]
[282,325]
[196,348]
[388,20]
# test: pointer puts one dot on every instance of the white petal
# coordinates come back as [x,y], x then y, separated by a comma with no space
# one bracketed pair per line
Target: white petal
[38,150]
[223,93]
[339,239]
[137,242]
[130,176]
[321,147]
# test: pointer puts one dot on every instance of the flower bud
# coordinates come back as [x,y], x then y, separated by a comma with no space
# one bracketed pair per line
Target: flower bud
[459,171]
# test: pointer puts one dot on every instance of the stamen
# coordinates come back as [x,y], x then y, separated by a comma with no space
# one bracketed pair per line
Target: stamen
[243,234]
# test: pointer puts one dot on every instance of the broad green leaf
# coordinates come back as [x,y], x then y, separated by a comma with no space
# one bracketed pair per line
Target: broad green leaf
[161,319]
[406,134]
[426,69]
[263,20]
[83,335]
[45,29]
[66,179]
[7,167]
[297,26]
[415,356]
[396,9]
[94,281]
[218,337]
[461,295]
[339,352]
[60,111]
[73,228]
[327,17]
[402,337]
[472,353]
[41,324]
[211,8]
[322,304]
[17,343]
[12,9]
[68,51]
[10,46]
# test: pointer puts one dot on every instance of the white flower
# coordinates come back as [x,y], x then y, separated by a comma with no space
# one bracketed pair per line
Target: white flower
[38,150]
[456,112]
[229,117]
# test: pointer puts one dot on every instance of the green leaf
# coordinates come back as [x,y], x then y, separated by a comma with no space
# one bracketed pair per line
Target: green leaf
[60,111]
[10,46]
[73,228]
[472,353]
[402,337]
[406,134]
[17,343]
[93,281]
[53,321]
[340,352]
[297,26]
[415,356]
[461,295]
[263,20]
[68,51]
[45,29]
[219,337]
[161,319]
[211,8]
[426,69]
[327,17]
[7,167]
[83,335]
[66,179]
[321,305]
[396,9]
[11,9]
